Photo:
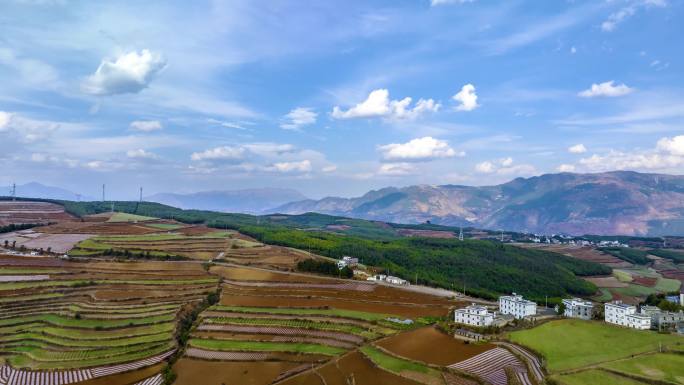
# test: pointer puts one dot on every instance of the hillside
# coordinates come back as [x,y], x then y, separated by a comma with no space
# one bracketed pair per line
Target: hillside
[609,203]
[486,268]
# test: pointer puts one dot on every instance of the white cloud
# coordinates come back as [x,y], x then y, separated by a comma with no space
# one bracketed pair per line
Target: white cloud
[299,117]
[292,167]
[504,166]
[141,154]
[331,168]
[4,120]
[607,89]
[628,11]
[26,130]
[378,104]
[485,167]
[129,73]
[467,98]
[674,146]
[420,149]
[146,125]
[573,50]
[435,3]
[220,153]
[566,168]
[396,169]
[577,149]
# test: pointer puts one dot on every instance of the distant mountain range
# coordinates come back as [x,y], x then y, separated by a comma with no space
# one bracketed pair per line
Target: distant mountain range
[37,190]
[620,202]
[252,201]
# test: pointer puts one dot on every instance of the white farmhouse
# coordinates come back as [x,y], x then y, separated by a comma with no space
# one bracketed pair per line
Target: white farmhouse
[388,278]
[347,262]
[474,315]
[578,308]
[638,321]
[618,313]
[517,306]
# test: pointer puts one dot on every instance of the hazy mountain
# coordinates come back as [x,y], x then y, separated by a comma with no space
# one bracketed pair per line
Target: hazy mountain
[37,190]
[235,201]
[618,202]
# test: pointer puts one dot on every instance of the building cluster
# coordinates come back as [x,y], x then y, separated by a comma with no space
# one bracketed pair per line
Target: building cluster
[616,313]
[509,305]
[388,279]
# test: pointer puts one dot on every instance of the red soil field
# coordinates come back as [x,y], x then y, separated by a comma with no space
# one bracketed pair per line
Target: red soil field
[432,346]
[31,212]
[353,364]
[127,378]
[673,274]
[199,372]
[644,281]
[253,274]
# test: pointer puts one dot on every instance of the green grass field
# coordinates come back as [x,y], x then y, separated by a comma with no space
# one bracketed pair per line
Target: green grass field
[305,324]
[594,377]
[263,346]
[164,226]
[663,367]
[570,344]
[125,217]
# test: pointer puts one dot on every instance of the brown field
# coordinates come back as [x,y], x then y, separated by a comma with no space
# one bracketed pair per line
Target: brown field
[269,257]
[31,212]
[432,346]
[338,371]
[254,274]
[58,243]
[190,371]
[606,282]
[644,281]
[98,228]
[673,274]
[426,233]
[579,252]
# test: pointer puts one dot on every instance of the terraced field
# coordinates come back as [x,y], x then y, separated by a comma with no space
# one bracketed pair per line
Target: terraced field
[58,330]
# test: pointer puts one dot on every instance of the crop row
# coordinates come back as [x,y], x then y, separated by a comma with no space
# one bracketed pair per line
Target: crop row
[264,346]
[305,324]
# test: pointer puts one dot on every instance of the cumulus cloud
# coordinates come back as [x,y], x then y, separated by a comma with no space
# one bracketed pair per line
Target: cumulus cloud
[435,3]
[606,89]
[299,117]
[666,156]
[577,149]
[628,11]
[420,149]
[141,154]
[504,166]
[291,167]
[467,98]
[396,169]
[378,104]
[566,168]
[220,153]
[146,125]
[129,73]
[24,129]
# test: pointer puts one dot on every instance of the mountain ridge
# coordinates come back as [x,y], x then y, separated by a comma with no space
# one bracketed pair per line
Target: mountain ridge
[616,202]
[252,201]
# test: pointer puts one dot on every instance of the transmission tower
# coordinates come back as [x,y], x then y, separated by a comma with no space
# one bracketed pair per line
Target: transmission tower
[103,192]
[141,190]
[13,191]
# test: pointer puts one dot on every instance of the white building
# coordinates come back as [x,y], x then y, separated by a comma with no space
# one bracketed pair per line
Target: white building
[638,321]
[578,308]
[517,306]
[474,315]
[616,312]
[387,278]
[347,262]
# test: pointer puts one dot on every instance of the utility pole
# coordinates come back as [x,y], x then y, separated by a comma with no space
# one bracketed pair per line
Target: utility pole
[103,192]
[501,236]
[460,234]
[141,190]
[14,191]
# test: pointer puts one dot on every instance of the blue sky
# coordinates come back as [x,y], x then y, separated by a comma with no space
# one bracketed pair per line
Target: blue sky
[335,98]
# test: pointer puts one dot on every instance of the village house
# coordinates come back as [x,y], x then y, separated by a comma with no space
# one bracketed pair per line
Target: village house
[347,262]
[388,278]
[618,313]
[517,306]
[474,315]
[578,308]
